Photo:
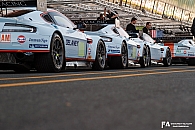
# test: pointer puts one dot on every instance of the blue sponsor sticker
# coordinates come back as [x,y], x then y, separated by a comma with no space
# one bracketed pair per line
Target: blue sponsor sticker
[38,46]
[114,51]
[190,53]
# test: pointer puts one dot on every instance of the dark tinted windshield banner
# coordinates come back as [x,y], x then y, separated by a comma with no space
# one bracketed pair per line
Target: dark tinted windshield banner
[6,4]
[95,21]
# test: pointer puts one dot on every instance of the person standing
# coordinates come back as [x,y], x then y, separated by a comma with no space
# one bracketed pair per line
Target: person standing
[101,18]
[193,28]
[81,24]
[131,27]
[110,14]
[147,28]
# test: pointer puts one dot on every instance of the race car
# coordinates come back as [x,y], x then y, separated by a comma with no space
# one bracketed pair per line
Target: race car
[154,52]
[183,51]
[47,42]
[121,50]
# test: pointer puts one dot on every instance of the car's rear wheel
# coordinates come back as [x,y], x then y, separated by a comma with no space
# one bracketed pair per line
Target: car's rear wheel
[168,58]
[122,61]
[145,61]
[100,60]
[54,60]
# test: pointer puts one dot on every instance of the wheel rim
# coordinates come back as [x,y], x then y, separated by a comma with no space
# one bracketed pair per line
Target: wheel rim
[124,55]
[57,53]
[168,55]
[101,54]
[146,57]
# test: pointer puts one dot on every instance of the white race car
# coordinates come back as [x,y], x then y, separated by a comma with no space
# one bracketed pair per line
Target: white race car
[182,51]
[154,52]
[46,41]
[121,50]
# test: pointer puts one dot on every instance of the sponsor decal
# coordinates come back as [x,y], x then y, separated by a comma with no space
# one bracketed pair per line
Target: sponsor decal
[38,46]
[114,51]
[72,42]
[190,53]
[5,38]
[178,51]
[113,47]
[55,26]
[184,52]
[89,51]
[38,40]
[21,39]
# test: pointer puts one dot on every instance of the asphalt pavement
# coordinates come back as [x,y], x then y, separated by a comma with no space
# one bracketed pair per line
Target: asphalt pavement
[131,99]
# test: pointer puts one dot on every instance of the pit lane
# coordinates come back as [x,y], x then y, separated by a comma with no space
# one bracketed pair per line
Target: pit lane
[133,98]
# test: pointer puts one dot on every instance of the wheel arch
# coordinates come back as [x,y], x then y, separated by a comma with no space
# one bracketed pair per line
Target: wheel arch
[60,34]
[62,38]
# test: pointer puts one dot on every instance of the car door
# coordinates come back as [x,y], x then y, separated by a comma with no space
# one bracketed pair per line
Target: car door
[75,40]
[154,47]
[131,45]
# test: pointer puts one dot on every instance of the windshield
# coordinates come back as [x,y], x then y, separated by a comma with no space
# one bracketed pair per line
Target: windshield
[61,20]
[94,27]
[147,38]
[122,32]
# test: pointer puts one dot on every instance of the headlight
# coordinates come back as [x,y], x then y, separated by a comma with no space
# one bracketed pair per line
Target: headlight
[106,39]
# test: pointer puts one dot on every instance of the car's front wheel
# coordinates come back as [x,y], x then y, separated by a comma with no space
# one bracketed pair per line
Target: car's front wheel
[54,60]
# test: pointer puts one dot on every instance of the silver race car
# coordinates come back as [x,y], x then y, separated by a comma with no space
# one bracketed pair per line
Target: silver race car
[183,51]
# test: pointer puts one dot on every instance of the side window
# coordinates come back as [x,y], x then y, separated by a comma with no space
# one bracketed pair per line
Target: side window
[61,20]
[122,32]
[47,18]
[147,38]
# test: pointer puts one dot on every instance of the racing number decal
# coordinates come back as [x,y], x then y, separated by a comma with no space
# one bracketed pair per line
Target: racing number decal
[5,38]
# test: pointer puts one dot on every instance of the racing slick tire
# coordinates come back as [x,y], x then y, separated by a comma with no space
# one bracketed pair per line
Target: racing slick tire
[122,61]
[100,60]
[145,61]
[54,61]
[168,58]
